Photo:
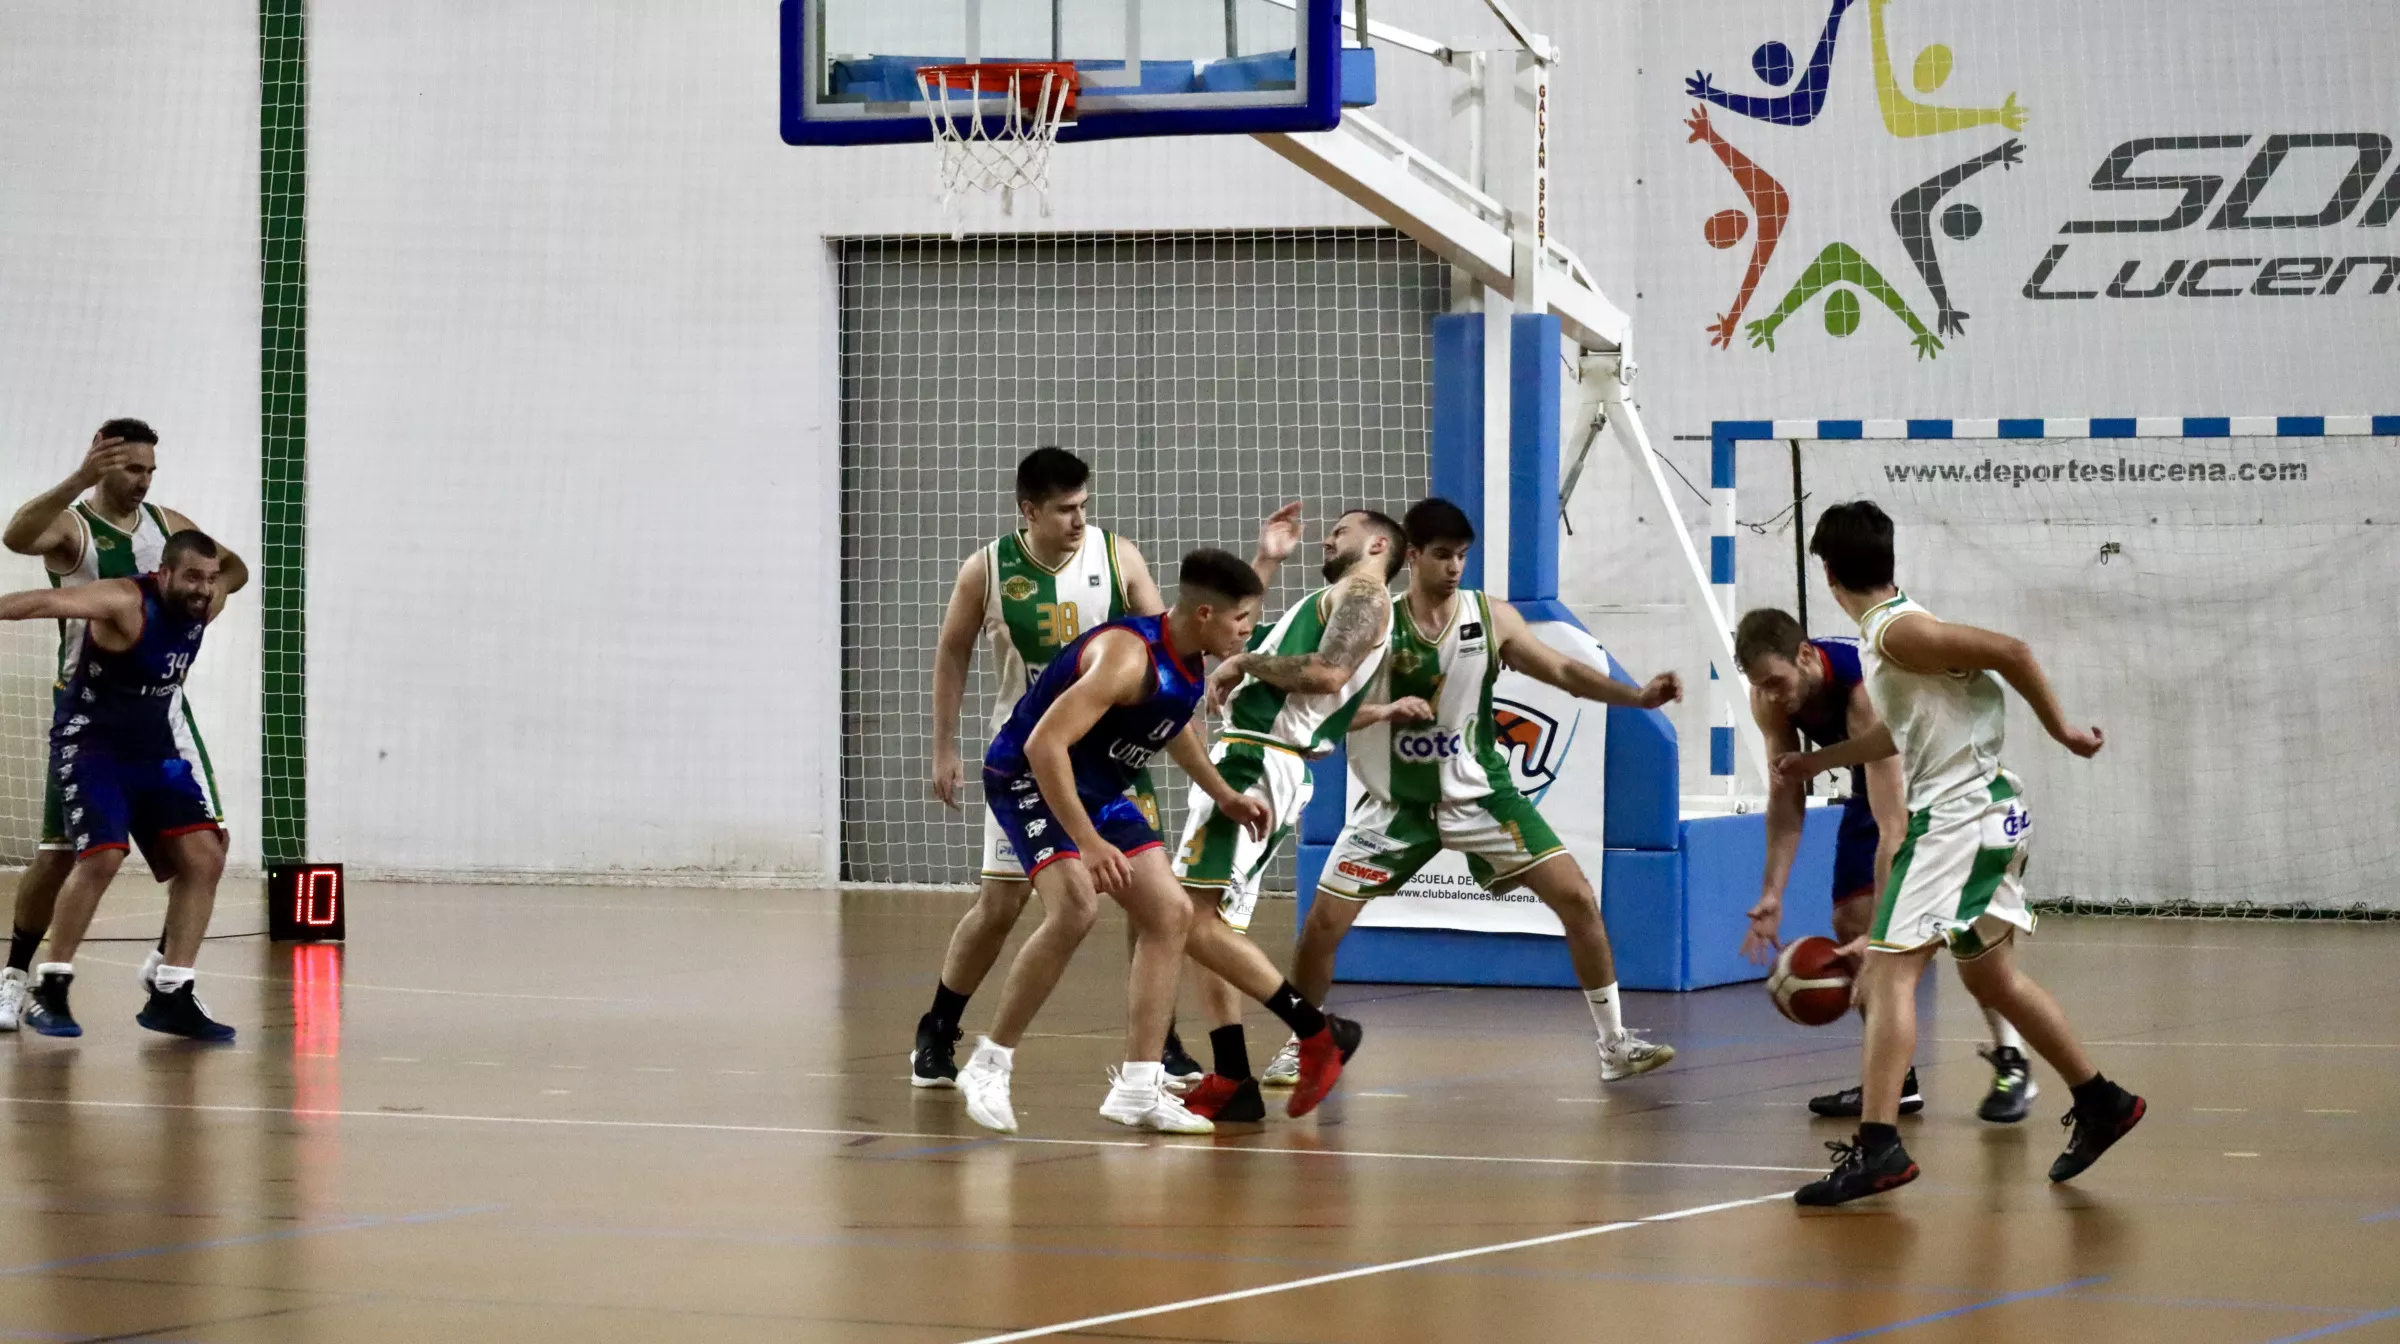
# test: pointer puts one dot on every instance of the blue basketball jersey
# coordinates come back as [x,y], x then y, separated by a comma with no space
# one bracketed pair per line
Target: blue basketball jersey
[120,701]
[1122,742]
[1825,719]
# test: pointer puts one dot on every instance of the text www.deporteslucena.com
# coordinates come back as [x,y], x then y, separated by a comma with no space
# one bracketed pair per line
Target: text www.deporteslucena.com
[2077,471]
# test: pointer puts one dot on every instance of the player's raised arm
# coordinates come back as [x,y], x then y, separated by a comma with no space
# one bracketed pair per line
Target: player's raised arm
[1278,537]
[232,575]
[112,602]
[953,653]
[1922,642]
[1874,746]
[42,526]
[1115,671]
[1520,651]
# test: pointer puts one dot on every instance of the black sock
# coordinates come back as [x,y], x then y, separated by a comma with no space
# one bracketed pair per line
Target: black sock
[1232,1053]
[1875,1138]
[22,946]
[1297,1013]
[162,942]
[948,1004]
[2097,1096]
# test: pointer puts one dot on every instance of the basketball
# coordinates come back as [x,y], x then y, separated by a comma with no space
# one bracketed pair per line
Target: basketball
[1809,984]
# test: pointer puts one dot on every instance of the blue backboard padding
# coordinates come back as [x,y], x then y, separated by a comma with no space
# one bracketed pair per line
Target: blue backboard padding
[1321,820]
[1457,468]
[1641,905]
[1533,392]
[1724,858]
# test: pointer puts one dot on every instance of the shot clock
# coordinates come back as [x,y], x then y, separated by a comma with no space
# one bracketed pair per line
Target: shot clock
[306,902]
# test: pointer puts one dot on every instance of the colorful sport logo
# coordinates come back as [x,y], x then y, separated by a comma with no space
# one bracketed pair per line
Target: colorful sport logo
[1840,270]
[1531,741]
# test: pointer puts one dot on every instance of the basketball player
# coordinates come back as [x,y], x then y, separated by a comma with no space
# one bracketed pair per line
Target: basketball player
[122,775]
[114,532]
[1958,879]
[1290,701]
[1055,777]
[1434,778]
[1030,594]
[1815,687]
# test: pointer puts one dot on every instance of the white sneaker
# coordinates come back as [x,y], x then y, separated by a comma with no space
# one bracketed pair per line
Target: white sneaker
[1284,1069]
[12,999]
[985,1082]
[150,965]
[1149,1106]
[1630,1054]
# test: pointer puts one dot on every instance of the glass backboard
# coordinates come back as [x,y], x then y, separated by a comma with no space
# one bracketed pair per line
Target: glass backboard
[1148,67]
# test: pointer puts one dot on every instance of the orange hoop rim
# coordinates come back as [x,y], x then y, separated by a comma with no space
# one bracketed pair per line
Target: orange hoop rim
[970,79]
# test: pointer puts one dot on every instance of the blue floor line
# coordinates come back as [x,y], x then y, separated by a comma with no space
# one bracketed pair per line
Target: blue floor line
[2338,1326]
[2001,1301]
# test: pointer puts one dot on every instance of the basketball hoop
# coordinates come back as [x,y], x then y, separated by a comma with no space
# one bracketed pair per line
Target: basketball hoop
[1001,149]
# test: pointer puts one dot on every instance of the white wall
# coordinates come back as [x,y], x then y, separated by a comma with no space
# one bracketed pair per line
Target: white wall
[129,286]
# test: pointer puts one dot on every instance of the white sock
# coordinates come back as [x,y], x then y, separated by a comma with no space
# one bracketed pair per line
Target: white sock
[1142,1073]
[1007,1054]
[168,979]
[1608,1012]
[54,968]
[2004,1034]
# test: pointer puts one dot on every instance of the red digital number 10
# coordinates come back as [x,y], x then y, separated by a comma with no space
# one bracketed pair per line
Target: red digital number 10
[318,900]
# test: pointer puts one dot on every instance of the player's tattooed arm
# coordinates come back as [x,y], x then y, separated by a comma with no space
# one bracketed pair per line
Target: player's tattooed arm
[953,654]
[1141,590]
[1521,652]
[1354,630]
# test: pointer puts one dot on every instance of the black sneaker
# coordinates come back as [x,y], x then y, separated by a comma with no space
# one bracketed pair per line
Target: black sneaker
[934,1063]
[182,1014]
[2095,1134]
[2013,1088]
[1847,1104]
[1182,1069]
[48,1013]
[1858,1174]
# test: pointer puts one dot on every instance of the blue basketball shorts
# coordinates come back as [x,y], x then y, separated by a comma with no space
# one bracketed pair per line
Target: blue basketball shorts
[1854,852]
[1017,804]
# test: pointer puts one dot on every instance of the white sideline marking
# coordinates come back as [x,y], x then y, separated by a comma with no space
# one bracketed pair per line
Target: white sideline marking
[707,1127]
[2215,1045]
[1364,1271]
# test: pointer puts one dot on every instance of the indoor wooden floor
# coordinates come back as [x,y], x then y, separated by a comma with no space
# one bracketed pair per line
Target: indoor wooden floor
[574,1113]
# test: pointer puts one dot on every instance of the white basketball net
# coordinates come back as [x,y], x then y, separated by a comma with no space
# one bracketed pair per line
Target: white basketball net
[987,149]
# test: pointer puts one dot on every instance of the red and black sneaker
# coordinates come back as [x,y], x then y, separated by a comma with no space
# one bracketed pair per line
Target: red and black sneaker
[2096,1131]
[1217,1097]
[1858,1173]
[1321,1059]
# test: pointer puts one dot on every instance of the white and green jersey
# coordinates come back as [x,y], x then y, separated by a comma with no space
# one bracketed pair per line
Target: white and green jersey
[1949,726]
[109,552]
[1307,724]
[1456,758]
[1031,611]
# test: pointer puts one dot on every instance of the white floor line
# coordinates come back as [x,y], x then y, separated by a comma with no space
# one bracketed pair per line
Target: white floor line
[213,974]
[1214,1299]
[2212,1045]
[690,1126]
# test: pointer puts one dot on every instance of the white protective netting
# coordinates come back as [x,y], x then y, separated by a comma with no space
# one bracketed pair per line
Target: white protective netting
[2223,608]
[1206,377]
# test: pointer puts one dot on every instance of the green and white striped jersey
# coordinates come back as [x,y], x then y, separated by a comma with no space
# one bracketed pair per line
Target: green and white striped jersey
[1307,724]
[1455,758]
[109,552]
[1949,726]
[1031,611]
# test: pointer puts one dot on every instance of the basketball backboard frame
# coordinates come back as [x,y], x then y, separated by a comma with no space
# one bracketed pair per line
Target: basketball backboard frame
[1266,84]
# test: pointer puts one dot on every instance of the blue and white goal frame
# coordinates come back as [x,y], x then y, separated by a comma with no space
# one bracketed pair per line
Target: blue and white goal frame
[1726,435]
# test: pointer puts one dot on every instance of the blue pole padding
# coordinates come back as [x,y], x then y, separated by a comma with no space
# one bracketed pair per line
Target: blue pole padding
[1457,468]
[1533,393]
[1720,750]
[1720,559]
